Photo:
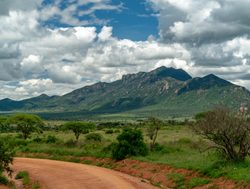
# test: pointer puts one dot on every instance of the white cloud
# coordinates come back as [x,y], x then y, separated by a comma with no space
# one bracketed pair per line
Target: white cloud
[199,22]
[195,36]
[105,33]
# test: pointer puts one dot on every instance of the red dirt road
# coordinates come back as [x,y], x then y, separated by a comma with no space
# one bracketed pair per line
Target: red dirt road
[64,175]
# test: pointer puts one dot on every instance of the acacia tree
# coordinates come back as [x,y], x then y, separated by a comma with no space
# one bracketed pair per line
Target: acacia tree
[229,132]
[26,123]
[153,126]
[79,128]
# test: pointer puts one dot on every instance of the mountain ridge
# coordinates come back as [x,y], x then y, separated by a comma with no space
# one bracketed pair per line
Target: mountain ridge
[163,91]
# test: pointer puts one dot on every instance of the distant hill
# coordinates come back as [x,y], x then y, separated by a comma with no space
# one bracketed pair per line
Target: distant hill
[163,92]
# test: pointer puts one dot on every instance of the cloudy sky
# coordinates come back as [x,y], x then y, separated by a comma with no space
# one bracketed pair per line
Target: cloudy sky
[55,46]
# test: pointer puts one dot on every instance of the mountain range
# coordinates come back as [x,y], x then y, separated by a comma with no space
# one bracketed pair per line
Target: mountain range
[163,92]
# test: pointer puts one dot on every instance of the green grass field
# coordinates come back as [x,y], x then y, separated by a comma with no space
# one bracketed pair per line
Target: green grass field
[178,147]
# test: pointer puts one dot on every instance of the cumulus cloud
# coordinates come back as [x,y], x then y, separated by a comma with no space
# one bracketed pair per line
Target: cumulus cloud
[199,36]
[200,21]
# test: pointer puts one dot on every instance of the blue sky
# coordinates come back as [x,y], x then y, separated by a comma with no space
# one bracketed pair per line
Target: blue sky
[56,46]
[135,19]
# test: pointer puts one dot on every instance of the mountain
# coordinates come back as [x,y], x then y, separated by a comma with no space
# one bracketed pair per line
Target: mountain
[162,92]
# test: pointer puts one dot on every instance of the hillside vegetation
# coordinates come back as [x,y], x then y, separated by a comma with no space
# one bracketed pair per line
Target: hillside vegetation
[163,92]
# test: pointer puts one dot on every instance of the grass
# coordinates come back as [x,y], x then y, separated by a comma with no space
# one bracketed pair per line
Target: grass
[35,185]
[178,179]
[24,175]
[178,147]
[196,181]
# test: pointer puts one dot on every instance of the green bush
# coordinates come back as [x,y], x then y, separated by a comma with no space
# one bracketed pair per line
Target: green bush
[6,156]
[109,131]
[24,175]
[38,140]
[130,143]
[94,137]
[51,139]
[21,175]
[3,180]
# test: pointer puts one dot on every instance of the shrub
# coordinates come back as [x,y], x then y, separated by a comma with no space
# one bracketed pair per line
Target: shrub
[21,174]
[109,131]
[38,140]
[51,139]
[130,143]
[229,132]
[3,180]
[94,137]
[6,157]
[24,175]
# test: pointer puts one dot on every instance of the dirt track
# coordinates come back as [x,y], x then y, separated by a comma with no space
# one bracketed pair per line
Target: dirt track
[64,175]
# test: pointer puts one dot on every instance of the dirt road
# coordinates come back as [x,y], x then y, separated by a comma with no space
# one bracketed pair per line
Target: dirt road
[64,175]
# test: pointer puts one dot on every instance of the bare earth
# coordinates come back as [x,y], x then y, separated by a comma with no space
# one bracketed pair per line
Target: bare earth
[64,175]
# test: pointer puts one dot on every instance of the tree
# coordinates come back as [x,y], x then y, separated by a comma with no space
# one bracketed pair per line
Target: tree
[6,157]
[153,126]
[79,128]
[3,124]
[26,123]
[229,132]
[130,143]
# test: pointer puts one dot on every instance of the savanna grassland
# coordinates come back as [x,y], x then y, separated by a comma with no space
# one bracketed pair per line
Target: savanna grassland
[176,146]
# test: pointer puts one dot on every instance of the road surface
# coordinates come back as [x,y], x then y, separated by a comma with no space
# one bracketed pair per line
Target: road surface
[65,175]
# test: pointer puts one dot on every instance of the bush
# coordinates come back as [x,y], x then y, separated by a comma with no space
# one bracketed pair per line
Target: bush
[21,175]
[38,140]
[94,137]
[24,175]
[229,132]
[3,180]
[6,157]
[130,143]
[51,139]
[109,131]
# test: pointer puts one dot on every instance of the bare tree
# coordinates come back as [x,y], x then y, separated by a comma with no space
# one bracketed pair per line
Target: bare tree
[230,132]
[153,126]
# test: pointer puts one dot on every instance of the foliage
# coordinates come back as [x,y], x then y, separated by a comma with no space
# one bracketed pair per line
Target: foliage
[153,126]
[3,180]
[109,131]
[6,157]
[79,128]
[178,179]
[130,143]
[51,139]
[196,181]
[95,137]
[3,124]
[24,175]
[229,132]
[26,123]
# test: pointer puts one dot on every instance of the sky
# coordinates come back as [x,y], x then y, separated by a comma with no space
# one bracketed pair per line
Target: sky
[56,46]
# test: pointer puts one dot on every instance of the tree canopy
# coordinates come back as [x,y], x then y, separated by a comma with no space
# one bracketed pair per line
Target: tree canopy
[79,128]
[26,123]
